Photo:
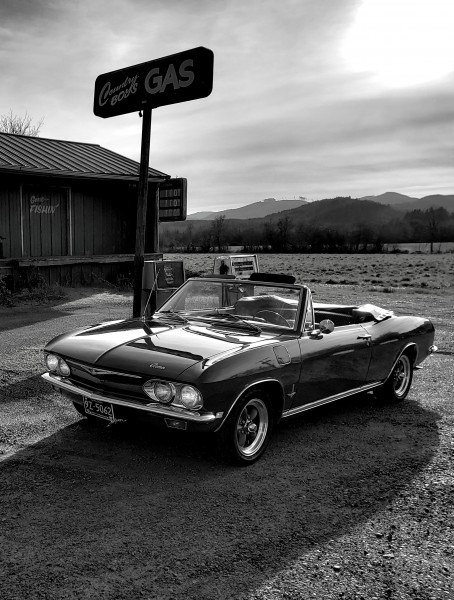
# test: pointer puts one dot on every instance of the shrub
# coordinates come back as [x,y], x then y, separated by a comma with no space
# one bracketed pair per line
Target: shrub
[5,294]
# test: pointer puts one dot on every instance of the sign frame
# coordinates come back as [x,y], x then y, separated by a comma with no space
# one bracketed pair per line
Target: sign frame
[168,80]
[173,199]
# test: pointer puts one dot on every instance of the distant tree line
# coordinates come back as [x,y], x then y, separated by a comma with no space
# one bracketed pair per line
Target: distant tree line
[283,234]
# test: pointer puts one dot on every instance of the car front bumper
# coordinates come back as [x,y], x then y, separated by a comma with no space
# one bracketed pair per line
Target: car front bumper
[127,409]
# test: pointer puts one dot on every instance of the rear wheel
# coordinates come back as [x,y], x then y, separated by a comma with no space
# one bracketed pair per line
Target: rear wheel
[398,384]
[246,434]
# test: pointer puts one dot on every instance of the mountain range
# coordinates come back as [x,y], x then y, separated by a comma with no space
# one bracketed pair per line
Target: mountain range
[407,203]
[256,210]
[381,208]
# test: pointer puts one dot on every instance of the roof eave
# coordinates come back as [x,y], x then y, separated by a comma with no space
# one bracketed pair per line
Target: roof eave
[76,175]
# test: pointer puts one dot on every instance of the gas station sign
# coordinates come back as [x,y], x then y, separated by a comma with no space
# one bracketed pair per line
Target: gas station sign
[141,88]
[176,78]
[173,200]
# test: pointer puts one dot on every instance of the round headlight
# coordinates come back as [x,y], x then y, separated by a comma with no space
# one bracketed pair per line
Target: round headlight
[63,368]
[52,362]
[164,392]
[190,397]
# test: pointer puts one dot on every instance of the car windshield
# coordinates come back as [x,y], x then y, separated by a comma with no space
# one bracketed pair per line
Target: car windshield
[234,303]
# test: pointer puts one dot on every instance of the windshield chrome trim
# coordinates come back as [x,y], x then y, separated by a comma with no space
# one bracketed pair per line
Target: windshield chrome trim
[296,328]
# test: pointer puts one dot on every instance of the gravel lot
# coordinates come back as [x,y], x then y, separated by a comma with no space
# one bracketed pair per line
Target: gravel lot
[353,500]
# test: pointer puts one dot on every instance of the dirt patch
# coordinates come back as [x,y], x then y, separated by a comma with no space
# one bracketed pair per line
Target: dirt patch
[353,500]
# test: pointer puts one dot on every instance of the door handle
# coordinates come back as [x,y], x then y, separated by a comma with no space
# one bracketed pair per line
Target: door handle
[366,336]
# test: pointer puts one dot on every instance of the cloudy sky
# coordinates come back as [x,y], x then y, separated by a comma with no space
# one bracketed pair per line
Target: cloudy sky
[312,98]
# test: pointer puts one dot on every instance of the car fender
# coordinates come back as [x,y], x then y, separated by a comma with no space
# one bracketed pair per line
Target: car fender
[262,383]
[412,350]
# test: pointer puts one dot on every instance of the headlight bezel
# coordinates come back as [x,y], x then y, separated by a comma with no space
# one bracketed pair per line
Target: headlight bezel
[194,405]
[179,398]
[57,364]
[54,366]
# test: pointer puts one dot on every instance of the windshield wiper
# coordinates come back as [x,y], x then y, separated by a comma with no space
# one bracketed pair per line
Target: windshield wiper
[236,318]
[172,314]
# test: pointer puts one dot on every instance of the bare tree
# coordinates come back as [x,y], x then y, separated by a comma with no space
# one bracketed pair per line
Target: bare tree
[20,125]
[217,228]
[283,226]
[433,226]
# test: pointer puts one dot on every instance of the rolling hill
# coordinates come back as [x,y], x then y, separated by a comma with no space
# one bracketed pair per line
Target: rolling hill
[391,198]
[406,203]
[256,210]
[435,201]
[339,213]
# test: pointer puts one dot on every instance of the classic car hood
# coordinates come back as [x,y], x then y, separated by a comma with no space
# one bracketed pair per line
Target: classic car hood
[151,348]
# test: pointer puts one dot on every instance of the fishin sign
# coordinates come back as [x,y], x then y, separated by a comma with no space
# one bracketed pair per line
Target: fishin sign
[177,78]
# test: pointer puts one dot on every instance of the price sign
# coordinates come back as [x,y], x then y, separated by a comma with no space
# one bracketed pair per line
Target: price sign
[173,200]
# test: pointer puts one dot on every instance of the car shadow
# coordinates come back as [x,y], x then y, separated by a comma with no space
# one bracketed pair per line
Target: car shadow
[126,512]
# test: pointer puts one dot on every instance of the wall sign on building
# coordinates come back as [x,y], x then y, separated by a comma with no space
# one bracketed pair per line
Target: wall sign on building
[173,200]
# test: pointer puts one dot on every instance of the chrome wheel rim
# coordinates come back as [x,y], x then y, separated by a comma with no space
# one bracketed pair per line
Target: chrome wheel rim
[251,427]
[401,376]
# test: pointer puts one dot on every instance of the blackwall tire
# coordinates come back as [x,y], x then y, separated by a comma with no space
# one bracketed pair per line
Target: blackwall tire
[398,384]
[247,432]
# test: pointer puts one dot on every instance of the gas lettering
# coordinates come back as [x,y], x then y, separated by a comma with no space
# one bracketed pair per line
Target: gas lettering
[156,83]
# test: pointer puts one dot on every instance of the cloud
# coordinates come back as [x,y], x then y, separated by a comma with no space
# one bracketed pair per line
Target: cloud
[286,116]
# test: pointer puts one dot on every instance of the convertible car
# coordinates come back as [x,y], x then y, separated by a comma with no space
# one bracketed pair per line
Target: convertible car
[234,357]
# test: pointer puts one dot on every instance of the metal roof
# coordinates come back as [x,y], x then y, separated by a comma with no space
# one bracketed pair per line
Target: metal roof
[41,156]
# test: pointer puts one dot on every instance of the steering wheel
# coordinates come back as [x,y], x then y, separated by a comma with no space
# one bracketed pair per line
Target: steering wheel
[272,317]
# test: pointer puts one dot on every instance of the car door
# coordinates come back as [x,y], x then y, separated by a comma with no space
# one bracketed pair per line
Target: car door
[331,363]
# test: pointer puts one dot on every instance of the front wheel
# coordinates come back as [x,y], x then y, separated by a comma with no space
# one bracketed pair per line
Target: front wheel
[246,434]
[398,384]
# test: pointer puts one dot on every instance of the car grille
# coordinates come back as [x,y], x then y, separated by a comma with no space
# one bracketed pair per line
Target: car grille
[115,383]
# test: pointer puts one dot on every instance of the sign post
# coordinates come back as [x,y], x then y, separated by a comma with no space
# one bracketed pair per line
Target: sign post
[177,78]
[142,213]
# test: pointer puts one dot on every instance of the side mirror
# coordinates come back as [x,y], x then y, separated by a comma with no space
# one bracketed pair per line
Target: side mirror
[326,326]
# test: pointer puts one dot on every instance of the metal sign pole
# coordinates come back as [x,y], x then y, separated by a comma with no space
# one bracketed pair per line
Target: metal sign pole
[142,213]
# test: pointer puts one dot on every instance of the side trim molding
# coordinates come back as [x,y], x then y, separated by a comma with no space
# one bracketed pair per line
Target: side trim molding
[322,401]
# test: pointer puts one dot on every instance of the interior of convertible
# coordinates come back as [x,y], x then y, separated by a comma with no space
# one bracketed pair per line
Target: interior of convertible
[342,315]
[261,302]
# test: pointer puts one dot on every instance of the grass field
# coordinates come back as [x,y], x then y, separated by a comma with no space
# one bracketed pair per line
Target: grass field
[374,271]
[417,284]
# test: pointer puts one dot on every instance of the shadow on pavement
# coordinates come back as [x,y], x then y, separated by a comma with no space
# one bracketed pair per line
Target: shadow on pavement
[124,512]
[28,314]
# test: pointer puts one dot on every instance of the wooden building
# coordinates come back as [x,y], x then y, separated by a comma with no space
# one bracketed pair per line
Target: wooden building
[68,210]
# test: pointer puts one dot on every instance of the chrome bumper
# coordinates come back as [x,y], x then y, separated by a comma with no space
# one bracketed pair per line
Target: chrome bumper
[163,411]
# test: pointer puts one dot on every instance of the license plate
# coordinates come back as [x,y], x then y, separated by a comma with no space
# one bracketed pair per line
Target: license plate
[98,408]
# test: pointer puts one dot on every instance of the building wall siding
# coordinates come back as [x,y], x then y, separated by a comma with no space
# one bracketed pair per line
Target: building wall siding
[66,218]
